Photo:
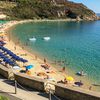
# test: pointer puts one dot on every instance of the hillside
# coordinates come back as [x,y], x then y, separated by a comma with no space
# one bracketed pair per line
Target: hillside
[45,9]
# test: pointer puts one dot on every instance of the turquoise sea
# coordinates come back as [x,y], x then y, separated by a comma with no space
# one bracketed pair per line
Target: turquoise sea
[3,21]
[77,44]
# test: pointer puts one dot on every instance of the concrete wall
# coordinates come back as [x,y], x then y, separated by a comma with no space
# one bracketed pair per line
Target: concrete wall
[75,93]
[30,82]
[7,73]
[68,93]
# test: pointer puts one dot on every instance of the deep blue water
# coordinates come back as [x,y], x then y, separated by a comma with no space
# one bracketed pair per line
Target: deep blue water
[76,43]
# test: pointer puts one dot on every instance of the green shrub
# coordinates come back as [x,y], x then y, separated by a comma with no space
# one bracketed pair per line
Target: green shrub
[3,98]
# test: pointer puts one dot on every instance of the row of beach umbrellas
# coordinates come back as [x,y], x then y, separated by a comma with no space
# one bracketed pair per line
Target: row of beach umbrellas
[2,43]
[14,56]
[6,60]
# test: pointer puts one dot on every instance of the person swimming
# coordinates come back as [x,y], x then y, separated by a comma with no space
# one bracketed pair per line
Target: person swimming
[81,73]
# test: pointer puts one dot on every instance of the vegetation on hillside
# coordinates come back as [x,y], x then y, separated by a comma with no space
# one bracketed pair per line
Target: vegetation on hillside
[49,9]
[3,98]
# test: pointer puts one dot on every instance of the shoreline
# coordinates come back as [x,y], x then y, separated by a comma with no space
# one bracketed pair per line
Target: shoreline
[19,48]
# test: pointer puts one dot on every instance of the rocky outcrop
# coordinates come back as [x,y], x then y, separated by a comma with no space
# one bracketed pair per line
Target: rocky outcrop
[79,10]
[98,18]
[68,9]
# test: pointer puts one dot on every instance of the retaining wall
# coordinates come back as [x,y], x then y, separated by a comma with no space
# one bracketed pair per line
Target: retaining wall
[68,93]
[7,73]
[75,93]
[30,82]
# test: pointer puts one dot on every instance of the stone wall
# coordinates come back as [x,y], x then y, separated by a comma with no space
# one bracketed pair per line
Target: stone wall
[7,73]
[75,93]
[30,82]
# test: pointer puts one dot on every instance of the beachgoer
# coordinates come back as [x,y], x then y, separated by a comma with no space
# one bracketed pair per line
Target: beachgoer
[26,69]
[80,83]
[48,77]
[63,69]
[65,81]
[45,60]
[15,47]
[35,57]
[55,62]
[82,72]
[90,87]
[26,44]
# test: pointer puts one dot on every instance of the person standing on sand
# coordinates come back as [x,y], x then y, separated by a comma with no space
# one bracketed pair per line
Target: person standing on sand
[15,47]
[90,87]
[63,69]
[35,57]
[45,60]
[82,72]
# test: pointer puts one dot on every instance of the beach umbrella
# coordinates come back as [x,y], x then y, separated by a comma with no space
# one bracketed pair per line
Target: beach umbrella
[4,49]
[23,60]
[2,56]
[69,78]
[1,42]
[16,67]
[29,67]
[8,61]
[11,53]
[11,63]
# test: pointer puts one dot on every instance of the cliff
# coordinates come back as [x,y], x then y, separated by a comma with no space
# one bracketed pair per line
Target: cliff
[46,9]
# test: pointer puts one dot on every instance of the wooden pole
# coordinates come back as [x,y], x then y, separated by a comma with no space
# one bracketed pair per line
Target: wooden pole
[49,94]
[15,87]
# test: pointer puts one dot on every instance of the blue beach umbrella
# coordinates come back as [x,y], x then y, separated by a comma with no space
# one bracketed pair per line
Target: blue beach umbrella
[29,67]
[8,61]
[1,47]
[2,43]
[23,60]
[4,49]
[2,55]
[11,53]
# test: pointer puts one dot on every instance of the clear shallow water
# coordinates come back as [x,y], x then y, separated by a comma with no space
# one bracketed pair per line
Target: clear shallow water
[77,43]
[2,21]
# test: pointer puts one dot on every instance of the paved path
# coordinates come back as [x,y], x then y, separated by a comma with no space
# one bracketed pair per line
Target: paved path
[7,86]
[10,97]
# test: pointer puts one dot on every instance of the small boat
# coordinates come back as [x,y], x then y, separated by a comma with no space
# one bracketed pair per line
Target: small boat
[46,38]
[32,39]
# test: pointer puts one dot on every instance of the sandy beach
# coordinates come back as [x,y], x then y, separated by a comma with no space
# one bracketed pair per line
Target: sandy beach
[32,59]
[53,73]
